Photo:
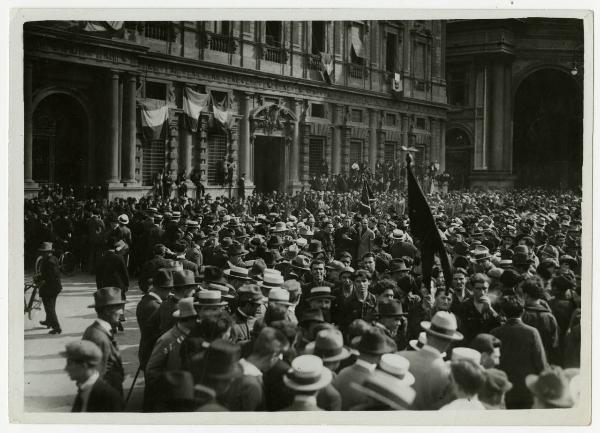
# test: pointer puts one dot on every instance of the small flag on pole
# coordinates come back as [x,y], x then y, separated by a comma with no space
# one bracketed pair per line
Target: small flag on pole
[366,200]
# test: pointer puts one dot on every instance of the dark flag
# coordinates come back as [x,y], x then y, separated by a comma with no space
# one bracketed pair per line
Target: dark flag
[422,226]
[367,199]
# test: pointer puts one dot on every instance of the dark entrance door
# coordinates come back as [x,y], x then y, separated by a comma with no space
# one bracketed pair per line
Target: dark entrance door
[59,141]
[548,128]
[458,158]
[269,164]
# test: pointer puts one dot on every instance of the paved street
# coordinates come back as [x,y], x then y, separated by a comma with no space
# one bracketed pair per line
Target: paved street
[47,386]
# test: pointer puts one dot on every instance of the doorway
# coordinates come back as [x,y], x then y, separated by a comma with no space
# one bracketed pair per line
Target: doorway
[269,164]
[458,158]
[59,141]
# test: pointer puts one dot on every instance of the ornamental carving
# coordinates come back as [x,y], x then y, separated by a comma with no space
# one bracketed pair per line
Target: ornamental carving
[271,118]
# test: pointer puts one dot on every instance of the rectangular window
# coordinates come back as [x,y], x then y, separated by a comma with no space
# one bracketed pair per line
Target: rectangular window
[153,160]
[389,151]
[318,37]
[317,110]
[419,155]
[390,119]
[356,147]
[156,90]
[421,123]
[420,60]
[391,51]
[316,153]
[157,30]
[216,151]
[457,86]
[222,27]
[273,33]
[356,116]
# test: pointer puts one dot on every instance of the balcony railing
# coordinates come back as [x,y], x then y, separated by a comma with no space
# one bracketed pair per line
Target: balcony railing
[314,62]
[357,71]
[221,43]
[275,54]
[157,30]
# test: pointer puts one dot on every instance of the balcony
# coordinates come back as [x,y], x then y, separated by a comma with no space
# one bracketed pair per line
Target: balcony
[275,54]
[314,62]
[221,43]
[357,71]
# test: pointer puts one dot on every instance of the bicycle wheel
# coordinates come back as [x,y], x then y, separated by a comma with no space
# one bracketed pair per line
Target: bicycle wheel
[38,265]
[36,307]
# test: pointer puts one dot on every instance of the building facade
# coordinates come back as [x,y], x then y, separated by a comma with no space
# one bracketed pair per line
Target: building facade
[283,100]
[515,90]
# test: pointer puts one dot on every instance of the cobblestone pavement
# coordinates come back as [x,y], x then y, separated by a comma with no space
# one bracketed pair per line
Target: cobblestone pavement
[47,386]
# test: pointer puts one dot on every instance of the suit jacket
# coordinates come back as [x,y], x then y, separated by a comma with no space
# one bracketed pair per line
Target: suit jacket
[432,378]
[364,242]
[111,366]
[165,314]
[149,271]
[355,373]
[50,271]
[148,322]
[104,398]
[277,395]
[111,271]
[522,353]
[472,322]
[329,398]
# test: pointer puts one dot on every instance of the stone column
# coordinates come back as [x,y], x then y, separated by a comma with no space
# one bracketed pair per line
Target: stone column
[185,147]
[497,121]
[372,139]
[129,130]
[442,159]
[295,182]
[508,118]
[112,155]
[28,130]
[244,138]
[336,163]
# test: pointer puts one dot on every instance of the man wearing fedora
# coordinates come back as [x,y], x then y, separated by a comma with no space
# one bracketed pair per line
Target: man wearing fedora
[432,382]
[165,354]
[184,285]
[392,321]
[214,370]
[305,378]
[108,304]
[371,346]
[93,393]
[51,286]
[250,300]
[111,271]
[149,269]
[320,297]
[329,346]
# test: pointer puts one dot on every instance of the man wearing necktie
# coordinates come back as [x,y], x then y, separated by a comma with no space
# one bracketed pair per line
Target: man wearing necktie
[108,305]
[93,393]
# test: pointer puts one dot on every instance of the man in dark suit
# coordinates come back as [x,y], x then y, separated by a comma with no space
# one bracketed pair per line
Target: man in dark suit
[50,287]
[179,248]
[112,272]
[108,305]
[93,393]
[150,268]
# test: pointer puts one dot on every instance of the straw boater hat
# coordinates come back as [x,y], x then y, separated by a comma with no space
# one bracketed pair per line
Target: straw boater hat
[185,309]
[279,296]
[459,353]
[271,281]
[329,346]
[398,235]
[397,366]
[123,219]
[279,227]
[237,272]
[387,389]
[307,374]
[320,292]
[479,253]
[209,298]
[419,342]
[223,289]
[443,325]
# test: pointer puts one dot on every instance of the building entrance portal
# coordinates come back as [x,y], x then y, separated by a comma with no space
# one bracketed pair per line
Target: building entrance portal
[269,164]
[59,141]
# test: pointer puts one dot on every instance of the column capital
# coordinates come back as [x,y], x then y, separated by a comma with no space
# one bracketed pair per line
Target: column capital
[114,74]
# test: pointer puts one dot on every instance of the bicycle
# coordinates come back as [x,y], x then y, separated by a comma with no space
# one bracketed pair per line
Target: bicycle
[34,304]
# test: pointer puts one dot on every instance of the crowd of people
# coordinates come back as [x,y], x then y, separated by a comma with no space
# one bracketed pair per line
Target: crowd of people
[300,302]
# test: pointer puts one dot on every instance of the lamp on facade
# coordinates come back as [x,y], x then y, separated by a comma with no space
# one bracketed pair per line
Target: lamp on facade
[574,70]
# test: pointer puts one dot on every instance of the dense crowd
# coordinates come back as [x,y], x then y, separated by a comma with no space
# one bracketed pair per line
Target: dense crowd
[300,302]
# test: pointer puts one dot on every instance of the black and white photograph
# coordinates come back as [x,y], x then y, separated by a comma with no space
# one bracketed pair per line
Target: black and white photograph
[347,214]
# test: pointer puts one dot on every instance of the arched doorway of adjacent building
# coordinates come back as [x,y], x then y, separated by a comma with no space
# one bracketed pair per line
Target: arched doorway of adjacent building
[548,131]
[458,158]
[60,140]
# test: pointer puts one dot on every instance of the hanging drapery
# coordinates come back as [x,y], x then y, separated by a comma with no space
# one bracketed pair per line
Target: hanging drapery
[222,103]
[193,104]
[153,121]
[101,26]
[327,67]
[357,44]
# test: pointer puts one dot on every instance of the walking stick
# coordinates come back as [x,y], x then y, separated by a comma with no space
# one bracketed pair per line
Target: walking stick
[132,385]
